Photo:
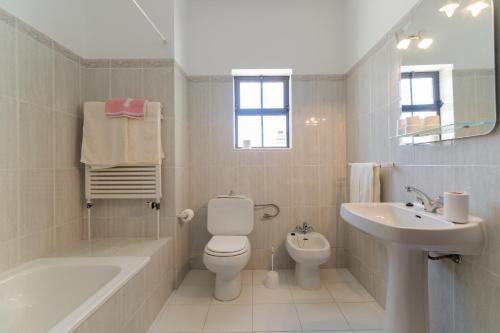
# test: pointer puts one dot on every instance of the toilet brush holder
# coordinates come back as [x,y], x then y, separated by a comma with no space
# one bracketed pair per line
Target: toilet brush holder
[272,280]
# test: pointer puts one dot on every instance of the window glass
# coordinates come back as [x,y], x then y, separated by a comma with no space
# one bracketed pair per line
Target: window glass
[249,128]
[275,131]
[406,92]
[423,91]
[273,97]
[250,95]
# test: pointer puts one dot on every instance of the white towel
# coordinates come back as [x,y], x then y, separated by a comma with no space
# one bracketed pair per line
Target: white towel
[365,182]
[109,142]
[144,138]
[105,140]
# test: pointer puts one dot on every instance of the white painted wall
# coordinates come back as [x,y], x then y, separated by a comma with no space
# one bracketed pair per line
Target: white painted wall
[305,35]
[62,20]
[367,21]
[116,29]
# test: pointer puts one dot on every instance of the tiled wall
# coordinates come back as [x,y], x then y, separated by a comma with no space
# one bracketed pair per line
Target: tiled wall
[40,130]
[156,80]
[307,181]
[153,80]
[463,298]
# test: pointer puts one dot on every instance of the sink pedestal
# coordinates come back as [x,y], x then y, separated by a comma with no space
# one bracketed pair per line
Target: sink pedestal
[406,307]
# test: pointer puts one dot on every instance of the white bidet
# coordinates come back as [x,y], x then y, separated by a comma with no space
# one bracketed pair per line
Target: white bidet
[309,251]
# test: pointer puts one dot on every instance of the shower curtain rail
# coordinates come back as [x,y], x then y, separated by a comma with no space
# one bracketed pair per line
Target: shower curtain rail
[146,16]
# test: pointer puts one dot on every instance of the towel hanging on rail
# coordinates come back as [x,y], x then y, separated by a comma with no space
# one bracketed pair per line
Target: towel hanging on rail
[109,142]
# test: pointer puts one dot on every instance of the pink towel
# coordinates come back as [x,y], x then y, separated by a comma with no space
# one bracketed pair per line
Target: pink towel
[126,107]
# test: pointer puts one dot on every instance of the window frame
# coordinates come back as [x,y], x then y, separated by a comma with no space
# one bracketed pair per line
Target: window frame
[285,111]
[436,106]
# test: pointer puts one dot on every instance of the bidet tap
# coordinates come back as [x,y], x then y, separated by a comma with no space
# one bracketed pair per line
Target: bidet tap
[305,228]
[430,205]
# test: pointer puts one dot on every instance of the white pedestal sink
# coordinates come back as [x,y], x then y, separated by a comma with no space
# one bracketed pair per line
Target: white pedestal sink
[409,234]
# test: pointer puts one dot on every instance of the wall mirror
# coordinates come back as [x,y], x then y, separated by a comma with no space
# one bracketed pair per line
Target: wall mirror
[447,84]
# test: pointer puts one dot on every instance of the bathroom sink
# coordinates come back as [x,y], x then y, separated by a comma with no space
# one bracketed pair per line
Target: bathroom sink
[409,234]
[415,228]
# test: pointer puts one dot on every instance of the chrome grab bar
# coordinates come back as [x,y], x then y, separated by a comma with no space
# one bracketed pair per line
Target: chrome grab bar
[267,215]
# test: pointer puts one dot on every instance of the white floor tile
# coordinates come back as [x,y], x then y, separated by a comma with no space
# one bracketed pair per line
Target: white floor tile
[192,294]
[319,317]
[285,276]
[363,316]
[246,277]
[245,297]
[320,295]
[275,317]
[198,277]
[229,318]
[349,292]
[329,276]
[181,318]
[262,294]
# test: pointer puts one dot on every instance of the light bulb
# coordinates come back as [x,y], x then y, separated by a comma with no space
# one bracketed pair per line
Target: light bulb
[476,7]
[450,8]
[403,44]
[425,43]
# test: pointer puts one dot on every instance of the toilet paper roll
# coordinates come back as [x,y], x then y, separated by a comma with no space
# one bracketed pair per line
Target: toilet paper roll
[186,215]
[456,207]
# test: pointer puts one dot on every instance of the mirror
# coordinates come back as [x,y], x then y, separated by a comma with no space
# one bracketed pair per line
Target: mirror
[447,84]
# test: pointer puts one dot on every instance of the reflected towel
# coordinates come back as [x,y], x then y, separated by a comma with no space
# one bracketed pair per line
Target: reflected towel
[365,182]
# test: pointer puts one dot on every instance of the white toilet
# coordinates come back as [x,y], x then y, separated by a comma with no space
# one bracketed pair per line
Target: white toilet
[230,220]
[309,252]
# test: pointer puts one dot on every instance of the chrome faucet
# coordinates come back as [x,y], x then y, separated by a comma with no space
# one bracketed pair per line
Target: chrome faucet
[430,205]
[305,228]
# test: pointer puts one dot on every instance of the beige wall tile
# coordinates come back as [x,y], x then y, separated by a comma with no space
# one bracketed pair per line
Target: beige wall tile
[36,65]
[8,59]
[36,140]
[67,84]
[97,83]
[8,132]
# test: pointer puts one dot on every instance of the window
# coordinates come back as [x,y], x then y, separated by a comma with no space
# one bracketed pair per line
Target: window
[262,111]
[420,93]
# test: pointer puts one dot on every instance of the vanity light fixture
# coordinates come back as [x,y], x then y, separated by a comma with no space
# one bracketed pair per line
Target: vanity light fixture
[425,43]
[476,7]
[403,44]
[404,41]
[449,8]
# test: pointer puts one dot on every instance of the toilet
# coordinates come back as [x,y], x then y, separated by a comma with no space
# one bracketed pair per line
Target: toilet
[230,221]
[309,251]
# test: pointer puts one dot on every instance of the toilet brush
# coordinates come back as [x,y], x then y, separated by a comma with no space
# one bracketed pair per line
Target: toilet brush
[272,281]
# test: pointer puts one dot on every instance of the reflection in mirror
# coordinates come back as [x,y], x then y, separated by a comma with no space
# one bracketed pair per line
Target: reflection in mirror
[447,84]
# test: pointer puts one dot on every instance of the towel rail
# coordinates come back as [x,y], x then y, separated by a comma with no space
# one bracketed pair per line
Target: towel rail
[124,182]
[267,215]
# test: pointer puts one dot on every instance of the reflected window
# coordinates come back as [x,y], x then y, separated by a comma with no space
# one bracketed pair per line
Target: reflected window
[262,111]
[420,93]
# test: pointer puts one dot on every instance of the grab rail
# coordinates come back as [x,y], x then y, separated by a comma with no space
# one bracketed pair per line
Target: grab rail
[267,215]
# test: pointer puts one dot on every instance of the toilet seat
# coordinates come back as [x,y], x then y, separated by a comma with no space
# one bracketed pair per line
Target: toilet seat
[227,246]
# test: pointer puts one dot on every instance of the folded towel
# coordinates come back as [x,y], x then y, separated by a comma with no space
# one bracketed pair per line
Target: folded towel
[126,107]
[365,182]
[109,142]
[105,140]
[144,138]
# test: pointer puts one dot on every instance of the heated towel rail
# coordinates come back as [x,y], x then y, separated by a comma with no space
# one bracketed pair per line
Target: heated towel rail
[124,182]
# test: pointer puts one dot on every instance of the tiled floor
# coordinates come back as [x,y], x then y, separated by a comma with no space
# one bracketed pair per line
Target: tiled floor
[341,305]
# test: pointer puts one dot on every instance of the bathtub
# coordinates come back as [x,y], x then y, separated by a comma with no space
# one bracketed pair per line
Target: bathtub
[55,295]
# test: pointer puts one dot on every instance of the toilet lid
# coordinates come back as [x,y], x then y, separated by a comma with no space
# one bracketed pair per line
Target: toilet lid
[227,244]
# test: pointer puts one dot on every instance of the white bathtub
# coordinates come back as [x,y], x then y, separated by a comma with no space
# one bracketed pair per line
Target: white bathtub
[56,294]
